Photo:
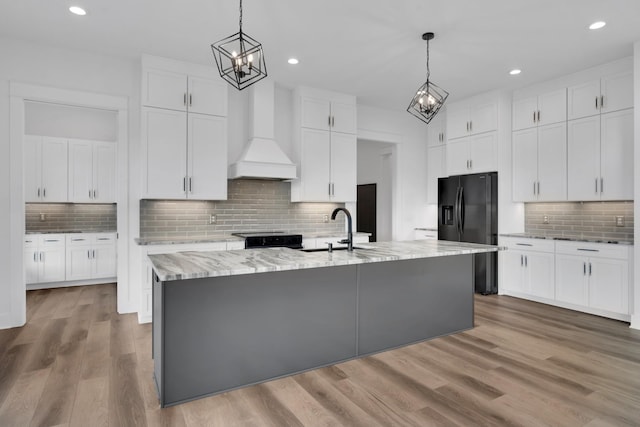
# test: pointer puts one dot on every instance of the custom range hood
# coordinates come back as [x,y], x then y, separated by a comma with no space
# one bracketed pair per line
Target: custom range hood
[262,157]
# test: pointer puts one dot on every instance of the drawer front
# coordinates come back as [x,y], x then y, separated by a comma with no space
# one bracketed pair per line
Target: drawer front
[78,240]
[104,238]
[47,240]
[601,250]
[524,244]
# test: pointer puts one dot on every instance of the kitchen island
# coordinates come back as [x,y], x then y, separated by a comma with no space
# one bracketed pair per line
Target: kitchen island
[223,320]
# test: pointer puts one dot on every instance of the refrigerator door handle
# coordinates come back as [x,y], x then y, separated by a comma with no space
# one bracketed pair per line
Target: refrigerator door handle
[461,210]
[456,211]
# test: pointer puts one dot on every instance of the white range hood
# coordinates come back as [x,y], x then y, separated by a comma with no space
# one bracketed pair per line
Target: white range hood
[262,157]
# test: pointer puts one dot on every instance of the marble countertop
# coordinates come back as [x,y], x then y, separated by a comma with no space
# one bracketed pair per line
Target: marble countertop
[333,235]
[144,241]
[561,238]
[192,265]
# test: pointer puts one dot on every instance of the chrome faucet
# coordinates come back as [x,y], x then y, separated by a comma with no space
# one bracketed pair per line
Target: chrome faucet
[349,239]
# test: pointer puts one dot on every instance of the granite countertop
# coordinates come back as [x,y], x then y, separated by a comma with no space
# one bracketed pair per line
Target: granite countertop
[570,238]
[192,265]
[144,241]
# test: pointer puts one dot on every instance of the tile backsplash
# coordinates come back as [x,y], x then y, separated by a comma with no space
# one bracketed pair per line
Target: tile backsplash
[580,219]
[70,217]
[251,205]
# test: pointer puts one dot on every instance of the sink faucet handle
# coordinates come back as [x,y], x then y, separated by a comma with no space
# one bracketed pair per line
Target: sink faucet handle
[330,246]
[343,241]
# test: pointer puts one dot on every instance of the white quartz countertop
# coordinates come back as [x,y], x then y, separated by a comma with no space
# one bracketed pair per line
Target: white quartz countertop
[193,265]
[145,241]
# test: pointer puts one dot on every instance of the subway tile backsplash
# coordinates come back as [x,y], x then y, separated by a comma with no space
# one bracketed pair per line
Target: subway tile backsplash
[70,217]
[580,219]
[252,205]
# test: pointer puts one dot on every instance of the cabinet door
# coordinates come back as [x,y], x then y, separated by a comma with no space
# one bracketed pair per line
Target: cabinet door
[207,157]
[552,162]
[457,120]
[31,265]
[104,261]
[164,89]
[315,165]
[79,262]
[344,170]
[435,170]
[484,117]
[315,113]
[525,171]
[458,157]
[32,163]
[539,269]
[343,118]
[552,107]
[583,100]
[165,134]
[512,269]
[435,132]
[609,285]
[483,153]
[54,170]
[524,113]
[571,279]
[207,96]
[616,155]
[617,92]
[104,172]
[52,265]
[81,171]
[583,166]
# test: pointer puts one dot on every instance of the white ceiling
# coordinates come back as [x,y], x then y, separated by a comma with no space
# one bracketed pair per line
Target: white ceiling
[370,48]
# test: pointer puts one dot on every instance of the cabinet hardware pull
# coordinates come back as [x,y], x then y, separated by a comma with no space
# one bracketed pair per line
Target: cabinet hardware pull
[329,189]
[534,117]
[471,126]
[470,163]
[89,193]
[184,184]
[44,192]
[88,254]
[329,120]
[190,100]
[333,188]
[596,185]
[601,185]
[77,240]
[601,102]
[588,250]
[538,188]
[35,259]
[184,99]
[190,185]
[41,256]
[596,102]
[94,194]
[524,244]
[589,269]
[526,262]
[51,240]
[93,253]
[38,192]
[467,126]
[584,268]
[521,260]
[333,121]
[534,187]
[102,238]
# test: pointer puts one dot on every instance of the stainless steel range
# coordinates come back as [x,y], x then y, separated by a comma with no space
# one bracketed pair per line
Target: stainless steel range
[270,239]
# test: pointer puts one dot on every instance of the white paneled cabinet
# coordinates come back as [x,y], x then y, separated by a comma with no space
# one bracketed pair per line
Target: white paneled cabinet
[325,147]
[91,256]
[436,168]
[529,267]
[437,131]
[540,163]
[544,109]
[45,169]
[92,172]
[610,93]
[470,117]
[473,154]
[44,258]
[600,157]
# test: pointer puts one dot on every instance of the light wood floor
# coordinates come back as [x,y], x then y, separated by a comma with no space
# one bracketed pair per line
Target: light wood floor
[78,363]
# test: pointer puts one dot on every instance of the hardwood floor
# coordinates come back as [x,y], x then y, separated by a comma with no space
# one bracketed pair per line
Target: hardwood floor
[78,363]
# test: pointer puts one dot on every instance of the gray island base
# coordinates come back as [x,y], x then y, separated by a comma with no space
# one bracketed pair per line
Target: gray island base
[214,334]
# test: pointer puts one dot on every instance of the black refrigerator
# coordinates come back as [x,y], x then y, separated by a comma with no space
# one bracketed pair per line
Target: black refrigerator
[468,212]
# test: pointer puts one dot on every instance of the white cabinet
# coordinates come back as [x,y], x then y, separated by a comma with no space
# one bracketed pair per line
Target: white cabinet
[610,93]
[600,157]
[91,256]
[473,154]
[593,275]
[436,168]
[92,172]
[44,258]
[425,234]
[529,266]
[540,110]
[437,131]
[471,117]
[540,163]
[185,140]
[45,169]
[325,147]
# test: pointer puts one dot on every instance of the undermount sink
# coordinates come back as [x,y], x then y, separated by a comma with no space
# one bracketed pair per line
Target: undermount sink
[342,248]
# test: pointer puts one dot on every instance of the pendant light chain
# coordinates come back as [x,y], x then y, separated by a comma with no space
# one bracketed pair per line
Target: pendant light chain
[240,23]
[428,71]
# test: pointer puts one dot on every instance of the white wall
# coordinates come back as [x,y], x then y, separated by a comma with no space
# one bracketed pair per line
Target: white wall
[375,166]
[635,314]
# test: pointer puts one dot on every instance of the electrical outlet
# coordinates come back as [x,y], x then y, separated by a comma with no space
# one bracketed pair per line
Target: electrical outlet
[43,217]
[619,221]
[212,219]
[325,218]
[545,219]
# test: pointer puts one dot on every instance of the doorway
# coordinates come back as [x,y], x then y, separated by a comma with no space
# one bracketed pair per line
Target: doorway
[366,210]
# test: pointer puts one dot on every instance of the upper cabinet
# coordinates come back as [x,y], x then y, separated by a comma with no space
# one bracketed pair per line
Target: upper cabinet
[92,172]
[544,109]
[45,169]
[183,132]
[325,146]
[471,117]
[437,131]
[610,93]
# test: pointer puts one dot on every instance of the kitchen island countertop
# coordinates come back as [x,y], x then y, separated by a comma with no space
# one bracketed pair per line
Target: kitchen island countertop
[192,265]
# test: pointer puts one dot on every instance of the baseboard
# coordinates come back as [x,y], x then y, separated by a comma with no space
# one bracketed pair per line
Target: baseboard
[143,318]
[635,322]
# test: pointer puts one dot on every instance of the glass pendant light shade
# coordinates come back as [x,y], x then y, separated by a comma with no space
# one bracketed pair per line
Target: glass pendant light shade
[240,59]
[429,97]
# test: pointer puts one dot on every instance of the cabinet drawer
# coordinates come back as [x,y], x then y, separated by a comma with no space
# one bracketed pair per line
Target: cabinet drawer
[78,240]
[600,250]
[52,240]
[525,244]
[105,239]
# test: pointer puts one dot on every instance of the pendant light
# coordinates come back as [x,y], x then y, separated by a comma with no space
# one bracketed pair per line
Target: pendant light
[429,97]
[240,59]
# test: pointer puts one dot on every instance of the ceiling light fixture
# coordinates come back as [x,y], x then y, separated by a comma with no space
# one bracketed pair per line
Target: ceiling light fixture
[429,97]
[597,25]
[293,61]
[76,10]
[240,59]
[515,72]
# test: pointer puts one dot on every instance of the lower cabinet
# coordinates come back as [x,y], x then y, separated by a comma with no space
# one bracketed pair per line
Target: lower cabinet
[91,256]
[44,258]
[529,267]
[425,234]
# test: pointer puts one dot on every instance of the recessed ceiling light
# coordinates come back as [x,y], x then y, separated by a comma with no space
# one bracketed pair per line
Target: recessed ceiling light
[77,10]
[293,61]
[597,25]
[515,72]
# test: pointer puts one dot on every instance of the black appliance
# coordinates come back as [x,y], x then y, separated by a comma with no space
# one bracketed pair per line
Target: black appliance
[270,239]
[468,212]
